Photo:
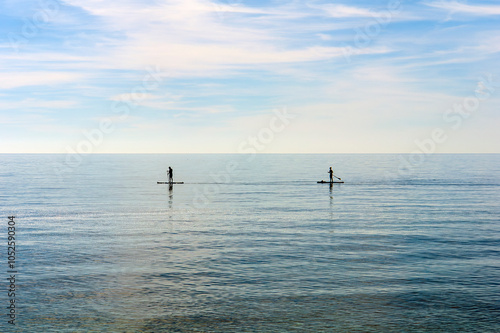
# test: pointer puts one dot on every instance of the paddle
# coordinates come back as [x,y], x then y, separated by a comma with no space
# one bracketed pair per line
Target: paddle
[337,177]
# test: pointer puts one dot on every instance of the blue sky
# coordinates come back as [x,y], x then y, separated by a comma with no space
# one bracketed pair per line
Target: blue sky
[358,76]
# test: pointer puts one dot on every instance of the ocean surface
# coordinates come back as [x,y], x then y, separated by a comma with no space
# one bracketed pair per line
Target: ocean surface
[409,243]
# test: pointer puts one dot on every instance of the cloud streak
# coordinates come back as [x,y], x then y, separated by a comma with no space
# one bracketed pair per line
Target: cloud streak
[454,6]
[36,78]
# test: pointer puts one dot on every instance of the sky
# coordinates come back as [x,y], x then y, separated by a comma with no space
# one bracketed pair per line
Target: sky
[233,76]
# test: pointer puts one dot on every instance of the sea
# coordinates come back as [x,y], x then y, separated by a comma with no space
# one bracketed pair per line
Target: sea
[251,243]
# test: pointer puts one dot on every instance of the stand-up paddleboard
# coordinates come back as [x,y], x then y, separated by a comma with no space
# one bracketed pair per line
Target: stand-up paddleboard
[323,182]
[169,183]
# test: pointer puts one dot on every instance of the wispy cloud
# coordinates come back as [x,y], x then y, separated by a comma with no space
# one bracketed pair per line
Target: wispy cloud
[185,35]
[343,11]
[34,103]
[455,6]
[34,78]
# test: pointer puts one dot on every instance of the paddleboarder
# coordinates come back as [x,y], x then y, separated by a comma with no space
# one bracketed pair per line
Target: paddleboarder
[170,174]
[331,175]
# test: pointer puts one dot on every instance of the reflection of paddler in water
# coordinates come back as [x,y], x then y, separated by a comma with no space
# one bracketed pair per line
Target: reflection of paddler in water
[331,201]
[170,195]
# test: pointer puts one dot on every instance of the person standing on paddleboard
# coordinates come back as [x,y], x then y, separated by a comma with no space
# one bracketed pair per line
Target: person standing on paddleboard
[331,175]
[170,174]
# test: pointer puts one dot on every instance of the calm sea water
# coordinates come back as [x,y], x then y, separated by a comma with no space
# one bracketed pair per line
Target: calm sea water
[254,245]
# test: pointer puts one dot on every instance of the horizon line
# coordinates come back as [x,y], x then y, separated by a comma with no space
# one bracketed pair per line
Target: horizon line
[259,153]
